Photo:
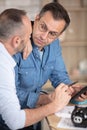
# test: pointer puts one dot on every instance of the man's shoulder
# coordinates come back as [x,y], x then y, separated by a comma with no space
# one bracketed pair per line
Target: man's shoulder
[55,44]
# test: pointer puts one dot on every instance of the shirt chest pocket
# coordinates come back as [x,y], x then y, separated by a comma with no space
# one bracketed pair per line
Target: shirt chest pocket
[48,69]
[26,77]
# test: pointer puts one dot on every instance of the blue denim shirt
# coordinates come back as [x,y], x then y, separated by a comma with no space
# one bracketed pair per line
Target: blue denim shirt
[33,73]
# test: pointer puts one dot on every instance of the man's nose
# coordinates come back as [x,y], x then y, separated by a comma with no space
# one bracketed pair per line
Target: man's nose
[44,35]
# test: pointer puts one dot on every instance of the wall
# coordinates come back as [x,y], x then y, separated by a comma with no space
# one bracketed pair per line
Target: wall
[74,39]
[31,6]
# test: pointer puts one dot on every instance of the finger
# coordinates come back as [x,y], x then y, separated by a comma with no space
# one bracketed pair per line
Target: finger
[71,89]
[70,92]
[83,96]
[80,99]
[24,55]
[27,51]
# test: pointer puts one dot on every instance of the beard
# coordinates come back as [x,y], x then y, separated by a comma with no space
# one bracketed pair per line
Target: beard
[21,47]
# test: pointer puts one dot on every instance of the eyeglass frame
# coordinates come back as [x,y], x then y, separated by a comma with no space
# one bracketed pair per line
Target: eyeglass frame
[45,29]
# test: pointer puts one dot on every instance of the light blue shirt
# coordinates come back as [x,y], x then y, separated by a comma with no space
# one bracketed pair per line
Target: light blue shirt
[33,73]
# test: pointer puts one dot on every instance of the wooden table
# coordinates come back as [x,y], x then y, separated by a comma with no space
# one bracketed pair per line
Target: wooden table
[51,122]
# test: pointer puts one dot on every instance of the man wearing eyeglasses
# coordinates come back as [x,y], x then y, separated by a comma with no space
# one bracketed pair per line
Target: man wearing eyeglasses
[45,61]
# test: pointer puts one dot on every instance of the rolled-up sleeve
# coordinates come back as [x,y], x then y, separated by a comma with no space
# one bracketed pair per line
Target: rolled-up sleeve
[59,73]
[10,110]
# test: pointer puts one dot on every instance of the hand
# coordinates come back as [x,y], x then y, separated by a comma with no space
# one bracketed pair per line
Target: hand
[82,97]
[61,97]
[27,50]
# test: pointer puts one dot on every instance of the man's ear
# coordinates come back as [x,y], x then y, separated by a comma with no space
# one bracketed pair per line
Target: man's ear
[16,41]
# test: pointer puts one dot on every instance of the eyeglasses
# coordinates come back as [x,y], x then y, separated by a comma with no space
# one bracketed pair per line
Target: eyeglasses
[43,28]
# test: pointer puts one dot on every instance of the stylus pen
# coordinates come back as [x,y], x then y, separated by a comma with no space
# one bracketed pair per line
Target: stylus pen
[73,83]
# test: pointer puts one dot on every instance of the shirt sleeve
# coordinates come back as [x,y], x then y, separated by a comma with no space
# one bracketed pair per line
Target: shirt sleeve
[59,74]
[10,110]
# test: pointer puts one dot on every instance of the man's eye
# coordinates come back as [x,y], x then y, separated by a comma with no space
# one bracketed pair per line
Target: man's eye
[53,33]
[43,26]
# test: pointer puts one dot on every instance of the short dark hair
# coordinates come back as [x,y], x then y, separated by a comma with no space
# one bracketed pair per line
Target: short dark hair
[10,20]
[58,12]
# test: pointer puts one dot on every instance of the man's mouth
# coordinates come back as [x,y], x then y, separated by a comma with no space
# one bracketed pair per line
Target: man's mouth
[40,42]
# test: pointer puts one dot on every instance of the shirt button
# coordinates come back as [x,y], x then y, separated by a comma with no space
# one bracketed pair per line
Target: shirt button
[26,72]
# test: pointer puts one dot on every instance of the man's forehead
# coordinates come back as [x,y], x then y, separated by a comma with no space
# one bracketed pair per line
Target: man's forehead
[51,23]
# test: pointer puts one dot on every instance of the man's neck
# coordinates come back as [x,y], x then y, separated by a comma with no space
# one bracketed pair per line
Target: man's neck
[9,48]
[41,49]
